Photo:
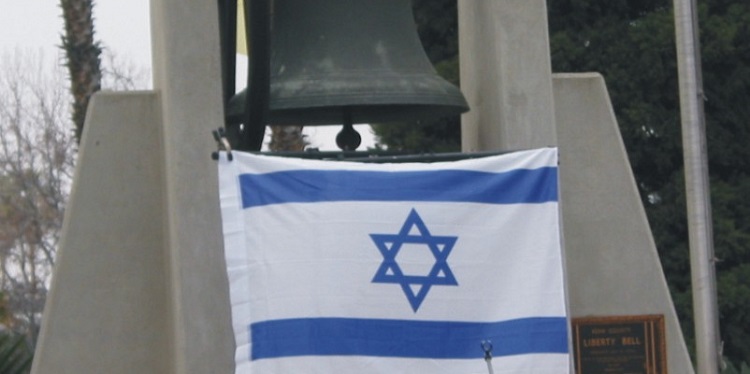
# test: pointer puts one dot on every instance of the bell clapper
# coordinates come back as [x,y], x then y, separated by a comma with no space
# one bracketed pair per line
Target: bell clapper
[348,139]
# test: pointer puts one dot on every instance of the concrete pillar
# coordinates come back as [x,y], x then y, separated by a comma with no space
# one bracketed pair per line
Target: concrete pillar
[612,265]
[108,307]
[505,75]
[140,285]
[187,78]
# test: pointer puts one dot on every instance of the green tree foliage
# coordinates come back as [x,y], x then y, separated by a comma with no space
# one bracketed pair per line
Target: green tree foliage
[15,354]
[632,43]
[741,369]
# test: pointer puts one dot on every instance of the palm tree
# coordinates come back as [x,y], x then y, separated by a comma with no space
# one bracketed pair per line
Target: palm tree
[287,138]
[83,56]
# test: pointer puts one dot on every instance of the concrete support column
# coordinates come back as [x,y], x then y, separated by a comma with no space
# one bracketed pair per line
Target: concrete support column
[140,285]
[187,79]
[612,265]
[107,310]
[505,75]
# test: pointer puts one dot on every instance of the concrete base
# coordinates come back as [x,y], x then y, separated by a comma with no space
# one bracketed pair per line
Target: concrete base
[123,294]
[140,285]
[613,267]
[108,307]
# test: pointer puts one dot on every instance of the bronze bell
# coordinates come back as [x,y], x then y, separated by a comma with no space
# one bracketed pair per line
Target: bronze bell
[349,61]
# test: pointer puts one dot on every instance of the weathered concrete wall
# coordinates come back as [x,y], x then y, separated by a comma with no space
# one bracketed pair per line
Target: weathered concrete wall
[185,42]
[612,264]
[505,75]
[107,311]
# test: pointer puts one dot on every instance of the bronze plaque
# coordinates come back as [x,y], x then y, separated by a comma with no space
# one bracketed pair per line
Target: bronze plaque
[619,345]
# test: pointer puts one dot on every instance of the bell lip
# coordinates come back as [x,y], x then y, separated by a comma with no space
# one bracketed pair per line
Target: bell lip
[364,108]
[368,114]
[384,114]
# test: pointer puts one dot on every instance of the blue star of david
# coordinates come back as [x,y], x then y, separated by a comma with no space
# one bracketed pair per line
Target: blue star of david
[415,286]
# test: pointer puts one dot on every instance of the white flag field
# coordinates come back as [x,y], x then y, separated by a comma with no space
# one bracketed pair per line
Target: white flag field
[346,267]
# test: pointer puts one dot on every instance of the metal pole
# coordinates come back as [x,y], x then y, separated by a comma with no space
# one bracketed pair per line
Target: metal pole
[702,268]
[487,348]
[258,35]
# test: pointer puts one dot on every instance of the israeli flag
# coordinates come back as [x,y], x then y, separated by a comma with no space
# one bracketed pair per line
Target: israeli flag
[343,267]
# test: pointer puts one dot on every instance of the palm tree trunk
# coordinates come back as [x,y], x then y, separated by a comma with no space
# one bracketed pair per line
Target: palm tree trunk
[287,138]
[82,53]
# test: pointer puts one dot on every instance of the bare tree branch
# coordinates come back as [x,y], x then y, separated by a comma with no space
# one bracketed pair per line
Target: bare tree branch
[37,153]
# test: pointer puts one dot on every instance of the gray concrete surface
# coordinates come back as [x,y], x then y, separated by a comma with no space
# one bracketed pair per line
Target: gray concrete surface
[141,286]
[185,42]
[505,75]
[107,310]
[612,265]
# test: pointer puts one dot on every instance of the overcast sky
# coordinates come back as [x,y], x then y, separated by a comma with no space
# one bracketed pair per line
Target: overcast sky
[121,25]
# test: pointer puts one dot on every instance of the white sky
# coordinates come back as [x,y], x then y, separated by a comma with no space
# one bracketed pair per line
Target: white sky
[123,26]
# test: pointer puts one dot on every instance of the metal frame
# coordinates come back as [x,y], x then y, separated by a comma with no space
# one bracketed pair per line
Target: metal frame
[383,157]
[258,35]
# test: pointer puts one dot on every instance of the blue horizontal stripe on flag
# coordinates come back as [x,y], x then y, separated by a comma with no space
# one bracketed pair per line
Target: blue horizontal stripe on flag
[401,338]
[308,186]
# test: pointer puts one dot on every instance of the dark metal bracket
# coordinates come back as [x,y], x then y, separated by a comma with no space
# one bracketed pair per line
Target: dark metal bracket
[222,143]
